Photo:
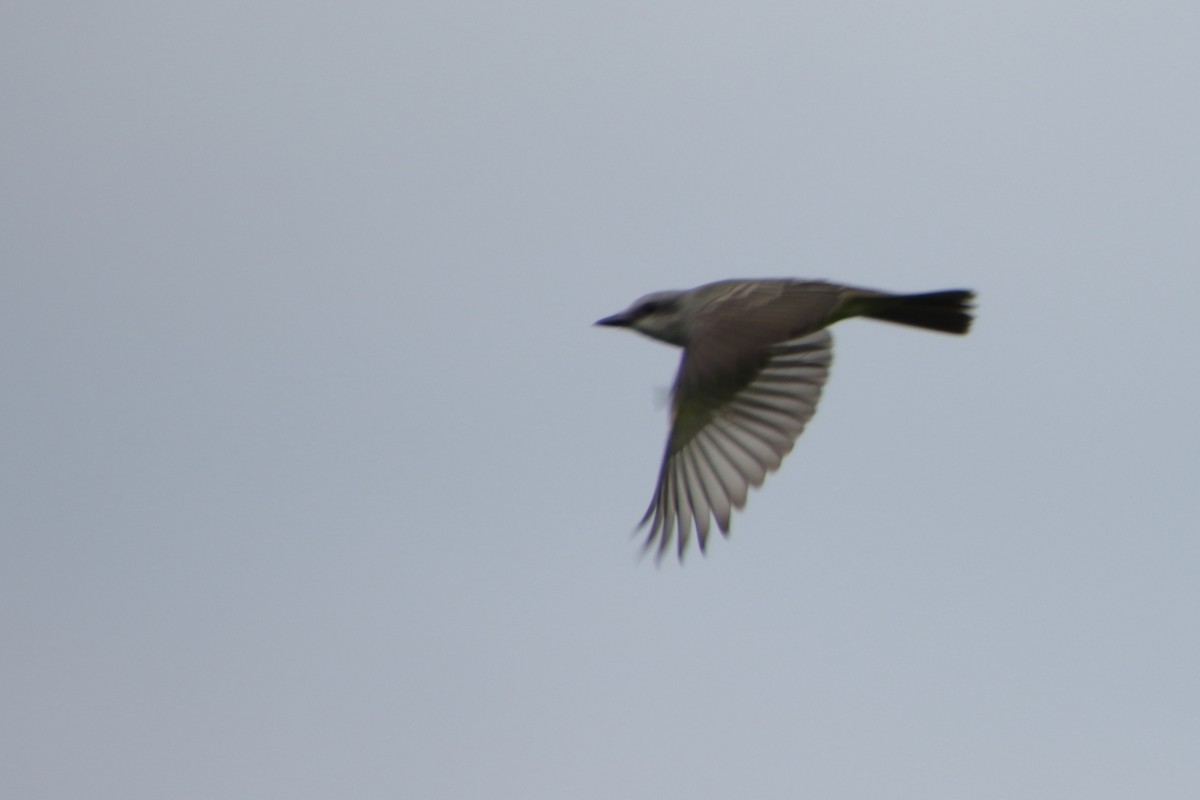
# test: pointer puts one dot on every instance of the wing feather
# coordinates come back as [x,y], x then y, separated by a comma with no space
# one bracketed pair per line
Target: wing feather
[728,460]
[701,497]
[713,487]
[728,435]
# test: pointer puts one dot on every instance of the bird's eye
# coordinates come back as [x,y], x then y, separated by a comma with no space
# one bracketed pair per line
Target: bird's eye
[648,308]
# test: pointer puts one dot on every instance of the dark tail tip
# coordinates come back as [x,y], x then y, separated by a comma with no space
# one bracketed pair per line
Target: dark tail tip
[948,311]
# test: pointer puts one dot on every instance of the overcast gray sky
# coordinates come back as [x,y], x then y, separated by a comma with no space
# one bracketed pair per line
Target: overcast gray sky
[316,481]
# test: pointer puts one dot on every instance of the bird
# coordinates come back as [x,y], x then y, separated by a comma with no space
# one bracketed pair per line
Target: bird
[756,355]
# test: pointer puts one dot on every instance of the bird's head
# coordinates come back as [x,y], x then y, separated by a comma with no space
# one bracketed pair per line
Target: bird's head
[660,315]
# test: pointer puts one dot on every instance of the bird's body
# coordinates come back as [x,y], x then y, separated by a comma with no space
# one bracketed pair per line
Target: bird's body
[756,356]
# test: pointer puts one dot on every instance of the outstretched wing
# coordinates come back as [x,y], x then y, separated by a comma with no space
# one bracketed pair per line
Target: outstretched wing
[738,408]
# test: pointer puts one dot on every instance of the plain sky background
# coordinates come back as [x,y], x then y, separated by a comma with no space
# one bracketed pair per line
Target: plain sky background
[316,481]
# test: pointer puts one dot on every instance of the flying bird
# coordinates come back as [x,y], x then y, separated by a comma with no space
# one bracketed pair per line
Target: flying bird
[756,354]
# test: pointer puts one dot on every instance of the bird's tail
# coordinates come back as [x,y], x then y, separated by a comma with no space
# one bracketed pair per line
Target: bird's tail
[948,311]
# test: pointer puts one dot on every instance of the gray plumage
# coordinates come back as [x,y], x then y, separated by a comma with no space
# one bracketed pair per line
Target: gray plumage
[755,359]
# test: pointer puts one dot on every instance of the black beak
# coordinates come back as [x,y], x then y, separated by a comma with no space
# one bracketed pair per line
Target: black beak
[615,321]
